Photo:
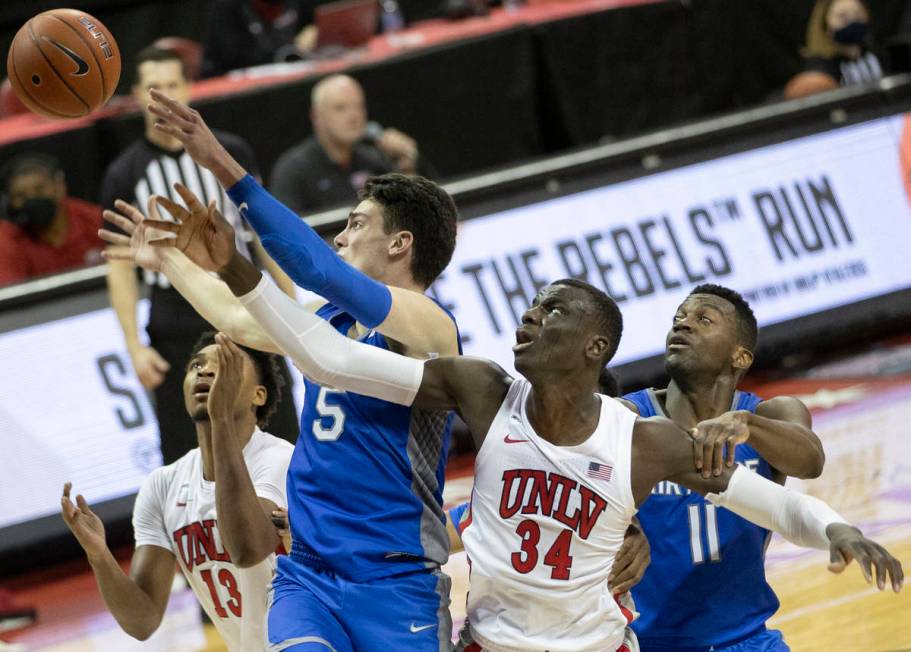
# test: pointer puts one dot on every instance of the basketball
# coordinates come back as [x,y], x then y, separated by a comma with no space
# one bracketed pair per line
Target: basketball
[63,63]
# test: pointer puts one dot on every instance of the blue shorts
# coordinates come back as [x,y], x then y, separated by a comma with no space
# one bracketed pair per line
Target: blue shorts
[767,640]
[314,610]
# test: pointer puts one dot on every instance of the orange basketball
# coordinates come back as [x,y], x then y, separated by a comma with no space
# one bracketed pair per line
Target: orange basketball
[63,64]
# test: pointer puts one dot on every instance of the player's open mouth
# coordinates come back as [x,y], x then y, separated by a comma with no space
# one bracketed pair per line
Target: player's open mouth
[201,390]
[677,342]
[523,340]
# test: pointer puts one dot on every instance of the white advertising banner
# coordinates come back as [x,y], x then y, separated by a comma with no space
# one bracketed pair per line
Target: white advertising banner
[798,227]
[71,410]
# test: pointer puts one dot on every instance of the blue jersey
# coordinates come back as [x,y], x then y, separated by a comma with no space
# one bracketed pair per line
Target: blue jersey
[365,483]
[706,583]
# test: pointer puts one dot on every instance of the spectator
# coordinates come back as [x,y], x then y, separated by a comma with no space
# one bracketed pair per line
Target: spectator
[838,46]
[150,166]
[332,165]
[43,231]
[244,33]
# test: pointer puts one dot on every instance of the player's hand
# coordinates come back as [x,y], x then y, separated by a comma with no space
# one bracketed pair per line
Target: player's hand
[715,440]
[228,378]
[847,543]
[135,243]
[282,526]
[201,233]
[150,367]
[631,561]
[83,523]
[401,148]
[186,125]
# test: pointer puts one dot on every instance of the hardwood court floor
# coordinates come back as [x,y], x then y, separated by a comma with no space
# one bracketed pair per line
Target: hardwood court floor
[864,427]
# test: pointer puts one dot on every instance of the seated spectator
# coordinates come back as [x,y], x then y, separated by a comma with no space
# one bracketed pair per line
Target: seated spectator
[332,165]
[244,33]
[838,49]
[42,231]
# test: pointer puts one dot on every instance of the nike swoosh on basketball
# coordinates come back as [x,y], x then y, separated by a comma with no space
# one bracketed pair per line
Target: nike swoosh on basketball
[415,629]
[81,66]
[514,441]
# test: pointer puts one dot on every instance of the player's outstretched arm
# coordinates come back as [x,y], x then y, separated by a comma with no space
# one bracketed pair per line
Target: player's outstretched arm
[407,317]
[664,451]
[209,296]
[780,430]
[244,519]
[138,600]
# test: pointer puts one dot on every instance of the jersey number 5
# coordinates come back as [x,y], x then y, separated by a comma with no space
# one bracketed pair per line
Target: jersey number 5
[334,414]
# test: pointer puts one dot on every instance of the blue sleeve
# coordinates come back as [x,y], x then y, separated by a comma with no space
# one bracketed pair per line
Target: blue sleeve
[456,514]
[309,261]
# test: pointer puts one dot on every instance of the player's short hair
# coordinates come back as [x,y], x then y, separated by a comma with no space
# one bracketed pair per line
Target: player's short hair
[268,374]
[155,53]
[416,204]
[606,309]
[747,329]
[28,163]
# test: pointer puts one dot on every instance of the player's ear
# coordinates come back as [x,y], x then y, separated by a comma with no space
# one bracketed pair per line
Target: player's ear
[742,358]
[400,243]
[596,348]
[260,395]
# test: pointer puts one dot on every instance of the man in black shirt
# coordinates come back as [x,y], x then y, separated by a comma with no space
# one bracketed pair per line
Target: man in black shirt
[151,166]
[330,167]
[244,33]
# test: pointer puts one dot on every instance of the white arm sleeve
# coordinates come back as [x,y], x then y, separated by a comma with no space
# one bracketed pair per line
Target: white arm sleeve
[327,357]
[799,518]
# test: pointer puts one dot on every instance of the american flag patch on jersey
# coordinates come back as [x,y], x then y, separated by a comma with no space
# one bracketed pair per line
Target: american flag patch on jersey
[600,471]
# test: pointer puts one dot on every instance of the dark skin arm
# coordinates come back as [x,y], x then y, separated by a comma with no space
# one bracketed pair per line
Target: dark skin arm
[780,431]
[138,600]
[244,519]
[664,451]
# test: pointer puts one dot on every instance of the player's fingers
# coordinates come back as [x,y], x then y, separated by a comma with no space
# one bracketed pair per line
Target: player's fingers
[114,238]
[67,487]
[171,130]
[172,118]
[164,226]
[718,455]
[119,220]
[82,504]
[863,560]
[708,454]
[174,209]
[697,448]
[191,199]
[838,561]
[898,575]
[880,567]
[171,103]
[731,445]
[131,212]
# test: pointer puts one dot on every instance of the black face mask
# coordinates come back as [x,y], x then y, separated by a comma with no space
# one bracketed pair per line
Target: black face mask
[35,213]
[851,34]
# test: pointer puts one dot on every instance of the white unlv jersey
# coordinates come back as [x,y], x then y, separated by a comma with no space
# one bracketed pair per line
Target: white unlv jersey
[175,509]
[546,522]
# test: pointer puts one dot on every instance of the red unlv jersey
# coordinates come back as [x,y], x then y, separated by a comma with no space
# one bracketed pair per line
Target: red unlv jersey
[546,522]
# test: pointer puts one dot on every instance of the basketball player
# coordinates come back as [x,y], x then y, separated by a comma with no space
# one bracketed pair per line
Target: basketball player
[180,515]
[696,548]
[559,471]
[150,165]
[366,482]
